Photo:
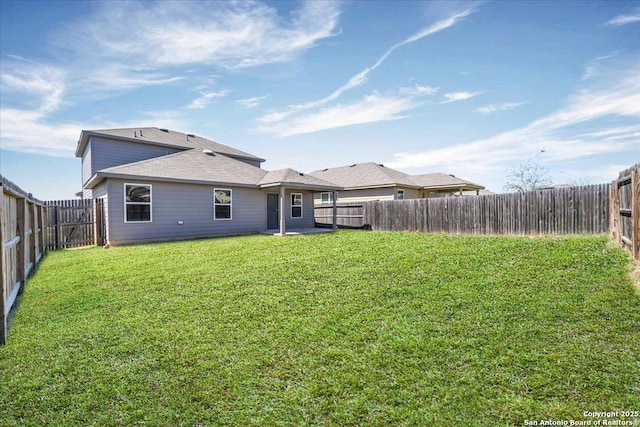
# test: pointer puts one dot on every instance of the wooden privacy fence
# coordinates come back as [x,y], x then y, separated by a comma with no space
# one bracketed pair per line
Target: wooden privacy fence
[75,223]
[22,244]
[625,210]
[572,210]
[348,215]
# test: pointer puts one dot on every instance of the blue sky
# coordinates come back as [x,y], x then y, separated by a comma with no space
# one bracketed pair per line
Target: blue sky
[468,88]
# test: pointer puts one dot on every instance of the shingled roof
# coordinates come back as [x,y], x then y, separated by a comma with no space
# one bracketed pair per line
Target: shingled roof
[292,178]
[365,175]
[442,180]
[192,166]
[204,167]
[164,137]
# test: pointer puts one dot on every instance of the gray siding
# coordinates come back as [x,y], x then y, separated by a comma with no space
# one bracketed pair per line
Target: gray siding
[307,220]
[86,164]
[190,203]
[100,192]
[250,162]
[108,153]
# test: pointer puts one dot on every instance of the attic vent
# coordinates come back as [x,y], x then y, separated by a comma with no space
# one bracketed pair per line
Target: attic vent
[165,130]
[209,152]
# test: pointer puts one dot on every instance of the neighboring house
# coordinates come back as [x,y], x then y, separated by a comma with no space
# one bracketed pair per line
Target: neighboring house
[373,181]
[442,185]
[158,184]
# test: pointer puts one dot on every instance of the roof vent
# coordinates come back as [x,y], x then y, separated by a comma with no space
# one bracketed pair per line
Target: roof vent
[209,152]
[191,135]
[300,173]
[381,165]
[140,132]
[135,134]
[164,130]
[452,175]
[352,165]
[325,169]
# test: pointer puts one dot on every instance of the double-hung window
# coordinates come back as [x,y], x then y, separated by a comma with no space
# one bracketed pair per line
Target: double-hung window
[327,197]
[137,203]
[222,201]
[296,205]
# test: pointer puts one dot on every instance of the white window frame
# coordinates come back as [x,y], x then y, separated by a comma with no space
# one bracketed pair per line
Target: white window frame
[301,205]
[230,204]
[124,198]
[330,198]
[398,192]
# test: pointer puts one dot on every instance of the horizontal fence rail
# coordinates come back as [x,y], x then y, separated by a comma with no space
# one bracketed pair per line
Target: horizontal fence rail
[625,210]
[348,215]
[22,245]
[574,210]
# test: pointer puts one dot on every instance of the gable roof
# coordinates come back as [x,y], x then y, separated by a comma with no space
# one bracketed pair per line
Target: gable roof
[164,137]
[192,166]
[199,167]
[365,175]
[293,178]
[441,180]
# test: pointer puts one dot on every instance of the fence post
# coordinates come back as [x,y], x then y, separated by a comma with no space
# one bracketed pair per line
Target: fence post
[21,222]
[56,219]
[33,236]
[3,273]
[614,212]
[635,211]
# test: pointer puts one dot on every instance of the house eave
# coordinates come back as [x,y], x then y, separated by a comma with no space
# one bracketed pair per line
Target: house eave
[394,185]
[100,176]
[301,186]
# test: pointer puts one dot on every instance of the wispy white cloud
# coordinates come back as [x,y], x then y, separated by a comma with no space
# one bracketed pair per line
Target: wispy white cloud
[205,99]
[251,102]
[224,34]
[492,108]
[45,84]
[419,90]
[459,96]
[117,77]
[625,19]
[362,77]
[371,108]
[619,97]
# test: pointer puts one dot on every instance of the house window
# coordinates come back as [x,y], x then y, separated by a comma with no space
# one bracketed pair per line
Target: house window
[399,194]
[327,197]
[296,205]
[137,203]
[222,203]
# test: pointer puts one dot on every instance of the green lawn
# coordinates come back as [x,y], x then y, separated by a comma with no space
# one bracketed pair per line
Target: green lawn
[351,328]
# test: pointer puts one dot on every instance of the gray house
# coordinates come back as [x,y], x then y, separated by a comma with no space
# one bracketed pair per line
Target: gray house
[158,184]
[372,181]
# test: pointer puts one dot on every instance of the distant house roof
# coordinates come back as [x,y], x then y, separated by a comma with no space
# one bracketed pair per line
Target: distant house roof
[164,137]
[365,175]
[200,167]
[374,175]
[444,181]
